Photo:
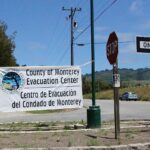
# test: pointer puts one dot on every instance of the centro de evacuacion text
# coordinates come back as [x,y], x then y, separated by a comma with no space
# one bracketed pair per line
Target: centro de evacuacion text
[31,95]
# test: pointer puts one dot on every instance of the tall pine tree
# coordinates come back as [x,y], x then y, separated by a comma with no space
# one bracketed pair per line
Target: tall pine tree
[7,47]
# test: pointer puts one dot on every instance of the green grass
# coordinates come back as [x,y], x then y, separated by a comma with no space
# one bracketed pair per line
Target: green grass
[37,125]
[93,142]
[143,93]
[45,111]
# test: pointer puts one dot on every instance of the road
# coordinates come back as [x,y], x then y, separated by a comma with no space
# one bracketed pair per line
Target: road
[128,111]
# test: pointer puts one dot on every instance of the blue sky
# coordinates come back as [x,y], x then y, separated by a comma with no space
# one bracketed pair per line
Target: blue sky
[43,32]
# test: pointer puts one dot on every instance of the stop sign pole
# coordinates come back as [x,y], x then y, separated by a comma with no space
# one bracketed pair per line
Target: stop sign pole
[112,53]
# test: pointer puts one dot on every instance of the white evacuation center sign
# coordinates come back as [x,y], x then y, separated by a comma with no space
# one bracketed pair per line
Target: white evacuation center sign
[40,88]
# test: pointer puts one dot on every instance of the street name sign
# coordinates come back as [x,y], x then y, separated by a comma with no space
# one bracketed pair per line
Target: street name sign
[40,88]
[143,44]
[112,48]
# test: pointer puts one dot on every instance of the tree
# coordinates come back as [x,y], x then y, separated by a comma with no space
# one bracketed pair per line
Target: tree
[102,85]
[7,46]
[86,85]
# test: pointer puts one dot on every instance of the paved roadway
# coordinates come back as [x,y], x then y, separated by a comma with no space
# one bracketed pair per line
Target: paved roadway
[128,111]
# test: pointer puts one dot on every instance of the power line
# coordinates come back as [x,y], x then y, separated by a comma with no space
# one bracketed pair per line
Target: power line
[101,43]
[63,55]
[67,50]
[57,31]
[85,18]
[73,25]
[80,3]
[80,44]
[109,6]
[60,42]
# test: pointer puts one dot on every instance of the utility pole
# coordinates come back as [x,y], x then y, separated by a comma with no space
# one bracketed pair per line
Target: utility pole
[73,25]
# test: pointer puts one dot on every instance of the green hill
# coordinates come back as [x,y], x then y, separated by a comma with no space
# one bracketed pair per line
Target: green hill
[132,76]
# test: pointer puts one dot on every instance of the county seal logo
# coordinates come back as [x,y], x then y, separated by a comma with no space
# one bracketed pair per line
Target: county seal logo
[11,81]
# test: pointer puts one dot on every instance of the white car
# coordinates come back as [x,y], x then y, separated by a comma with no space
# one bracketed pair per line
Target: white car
[129,96]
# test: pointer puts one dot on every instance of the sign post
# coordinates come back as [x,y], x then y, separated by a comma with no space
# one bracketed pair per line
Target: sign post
[112,53]
[116,102]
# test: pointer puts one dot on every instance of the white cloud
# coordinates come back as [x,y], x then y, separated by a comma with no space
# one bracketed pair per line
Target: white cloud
[145,26]
[122,36]
[136,7]
[101,38]
[127,54]
[129,48]
[100,33]
[129,45]
[127,61]
[126,36]
[37,46]
[101,29]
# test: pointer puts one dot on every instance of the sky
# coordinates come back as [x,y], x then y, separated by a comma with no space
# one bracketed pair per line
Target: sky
[43,31]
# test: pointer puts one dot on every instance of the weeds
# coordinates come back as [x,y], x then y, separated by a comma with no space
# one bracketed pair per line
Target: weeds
[41,125]
[129,134]
[104,132]
[65,133]
[93,142]
[70,143]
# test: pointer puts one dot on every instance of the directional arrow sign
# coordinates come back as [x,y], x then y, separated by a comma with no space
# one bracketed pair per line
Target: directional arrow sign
[143,44]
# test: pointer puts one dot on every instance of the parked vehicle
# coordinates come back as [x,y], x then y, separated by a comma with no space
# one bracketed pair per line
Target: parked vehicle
[129,96]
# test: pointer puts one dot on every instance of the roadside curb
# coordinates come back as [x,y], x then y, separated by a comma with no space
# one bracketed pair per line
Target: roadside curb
[138,146]
[145,146]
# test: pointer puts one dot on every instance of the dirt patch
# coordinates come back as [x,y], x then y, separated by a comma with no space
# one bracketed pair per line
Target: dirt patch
[68,138]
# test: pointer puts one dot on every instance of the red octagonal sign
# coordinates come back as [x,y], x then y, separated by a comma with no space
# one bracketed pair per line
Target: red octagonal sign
[112,48]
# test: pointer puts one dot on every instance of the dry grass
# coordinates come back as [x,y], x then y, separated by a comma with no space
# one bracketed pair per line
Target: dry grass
[143,93]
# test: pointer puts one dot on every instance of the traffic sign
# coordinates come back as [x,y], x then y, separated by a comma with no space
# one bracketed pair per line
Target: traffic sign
[112,48]
[143,44]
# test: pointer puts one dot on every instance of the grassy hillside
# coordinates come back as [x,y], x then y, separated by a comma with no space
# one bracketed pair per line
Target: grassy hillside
[126,75]
[137,81]
[143,93]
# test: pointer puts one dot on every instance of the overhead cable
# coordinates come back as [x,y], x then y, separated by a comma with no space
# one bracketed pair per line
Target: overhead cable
[109,6]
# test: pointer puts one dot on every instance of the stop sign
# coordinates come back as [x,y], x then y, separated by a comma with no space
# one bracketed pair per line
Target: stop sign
[112,48]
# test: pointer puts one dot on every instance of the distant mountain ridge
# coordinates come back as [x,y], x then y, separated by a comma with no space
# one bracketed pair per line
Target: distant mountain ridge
[125,74]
